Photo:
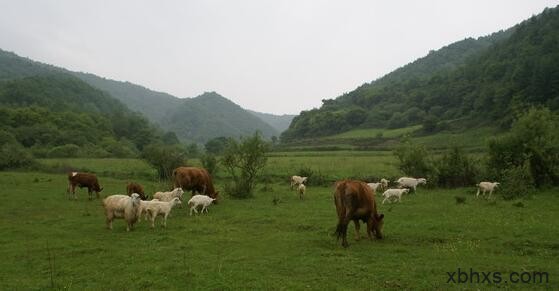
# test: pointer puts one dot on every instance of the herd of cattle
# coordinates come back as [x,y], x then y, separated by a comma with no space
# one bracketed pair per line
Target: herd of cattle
[354,200]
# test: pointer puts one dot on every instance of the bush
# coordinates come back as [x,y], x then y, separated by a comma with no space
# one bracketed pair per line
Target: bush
[314,178]
[64,151]
[532,140]
[14,155]
[164,158]
[456,169]
[243,160]
[413,159]
[209,162]
[517,182]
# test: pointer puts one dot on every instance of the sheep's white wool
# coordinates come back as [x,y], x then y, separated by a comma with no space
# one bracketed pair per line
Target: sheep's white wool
[198,200]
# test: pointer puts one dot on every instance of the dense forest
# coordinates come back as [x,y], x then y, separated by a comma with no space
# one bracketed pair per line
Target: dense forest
[58,115]
[468,83]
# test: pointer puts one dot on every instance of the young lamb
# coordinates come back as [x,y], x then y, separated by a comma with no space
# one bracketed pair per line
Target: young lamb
[142,209]
[486,186]
[122,206]
[297,180]
[198,200]
[411,182]
[160,208]
[394,193]
[168,196]
[301,190]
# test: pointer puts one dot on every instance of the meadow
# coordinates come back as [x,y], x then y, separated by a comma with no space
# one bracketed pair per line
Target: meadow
[273,241]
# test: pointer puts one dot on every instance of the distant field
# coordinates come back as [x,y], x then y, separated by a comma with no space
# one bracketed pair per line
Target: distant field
[49,242]
[374,132]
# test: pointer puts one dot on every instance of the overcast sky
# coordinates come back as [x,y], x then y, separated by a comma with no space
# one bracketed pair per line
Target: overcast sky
[270,56]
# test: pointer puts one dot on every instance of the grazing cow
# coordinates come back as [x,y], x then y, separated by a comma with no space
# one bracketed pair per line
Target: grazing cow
[356,201]
[83,180]
[297,180]
[133,187]
[195,180]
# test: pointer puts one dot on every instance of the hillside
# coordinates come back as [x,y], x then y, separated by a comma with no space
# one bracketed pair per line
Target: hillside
[163,109]
[467,84]
[278,122]
[57,115]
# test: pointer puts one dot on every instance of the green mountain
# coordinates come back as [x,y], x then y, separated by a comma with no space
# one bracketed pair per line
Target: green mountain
[470,83]
[56,114]
[193,119]
[278,122]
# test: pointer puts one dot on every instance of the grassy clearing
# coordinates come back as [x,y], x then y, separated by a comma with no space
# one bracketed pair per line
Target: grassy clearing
[256,244]
[375,132]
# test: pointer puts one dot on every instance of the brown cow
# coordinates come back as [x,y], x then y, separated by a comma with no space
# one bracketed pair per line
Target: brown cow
[356,201]
[195,180]
[83,180]
[133,187]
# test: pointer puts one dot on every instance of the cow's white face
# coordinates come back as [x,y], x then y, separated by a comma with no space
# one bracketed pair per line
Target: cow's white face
[74,174]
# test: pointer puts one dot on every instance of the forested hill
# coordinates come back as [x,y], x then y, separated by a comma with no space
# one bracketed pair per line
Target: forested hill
[279,122]
[160,108]
[212,115]
[58,115]
[471,82]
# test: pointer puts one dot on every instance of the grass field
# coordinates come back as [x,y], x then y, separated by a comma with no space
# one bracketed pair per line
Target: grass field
[48,241]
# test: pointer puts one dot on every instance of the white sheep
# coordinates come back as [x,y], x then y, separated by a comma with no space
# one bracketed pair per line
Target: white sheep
[160,208]
[394,193]
[297,180]
[374,186]
[122,206]
[142,209]
[486,186]
[384,183]
[168,196]
[198,200]
[411,182]
[301,190]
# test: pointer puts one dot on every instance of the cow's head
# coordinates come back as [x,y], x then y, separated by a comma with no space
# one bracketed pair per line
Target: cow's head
[215,197]
[378,224]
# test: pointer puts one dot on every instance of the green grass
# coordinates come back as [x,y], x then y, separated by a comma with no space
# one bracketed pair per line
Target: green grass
[254,244]
[374,132]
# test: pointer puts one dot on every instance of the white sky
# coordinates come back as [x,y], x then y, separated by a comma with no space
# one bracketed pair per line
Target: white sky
[266,55]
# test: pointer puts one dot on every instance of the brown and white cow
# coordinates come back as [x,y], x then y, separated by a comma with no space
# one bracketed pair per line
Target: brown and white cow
[356,201]
[133,187]
[83,180]
[195,180]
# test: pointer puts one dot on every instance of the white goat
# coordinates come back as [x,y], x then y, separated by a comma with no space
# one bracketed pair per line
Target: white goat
[384,183]
[301,190]
[168,196]
[411,182]
[198,200]
[394,193]
[160,208]
[297,180]
[122,206]
[142,209]
[486,186]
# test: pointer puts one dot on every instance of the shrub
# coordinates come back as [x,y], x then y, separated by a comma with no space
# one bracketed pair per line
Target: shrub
[209,162]
[164,158]
[243,160]
[517,182]
[314,178]
[456,169]
[14,155]
[532,140]
[64,151]
[414,159]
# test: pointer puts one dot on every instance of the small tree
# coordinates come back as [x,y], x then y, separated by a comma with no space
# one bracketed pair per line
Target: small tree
[413,159]
[164,158]
[456,169]
[209,162]
[243,160]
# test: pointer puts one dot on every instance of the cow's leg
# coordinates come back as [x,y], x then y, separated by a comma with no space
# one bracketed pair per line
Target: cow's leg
[74,191]
[357,226]
[89,193]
